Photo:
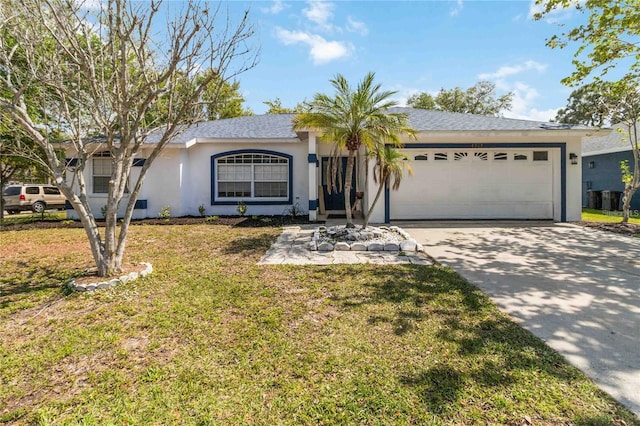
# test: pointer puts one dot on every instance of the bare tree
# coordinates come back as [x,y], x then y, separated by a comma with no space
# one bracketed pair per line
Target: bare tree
[110,76]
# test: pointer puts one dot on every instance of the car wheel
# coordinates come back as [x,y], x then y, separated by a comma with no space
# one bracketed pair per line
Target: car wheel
[38,207]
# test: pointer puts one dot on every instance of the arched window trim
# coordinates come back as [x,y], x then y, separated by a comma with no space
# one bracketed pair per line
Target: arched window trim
[216,200]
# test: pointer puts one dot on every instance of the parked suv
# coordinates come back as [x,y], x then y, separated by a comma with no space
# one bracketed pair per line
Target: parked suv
[32,197]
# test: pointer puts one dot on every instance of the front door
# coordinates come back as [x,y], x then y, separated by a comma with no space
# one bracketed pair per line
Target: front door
[334,199]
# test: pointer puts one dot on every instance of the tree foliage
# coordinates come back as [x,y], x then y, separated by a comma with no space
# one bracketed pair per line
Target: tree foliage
[111,77]
[610,37]
[595,104]
[275,107]
[354,117]
[478,99]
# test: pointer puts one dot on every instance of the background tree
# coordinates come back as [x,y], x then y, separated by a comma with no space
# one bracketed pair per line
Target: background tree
[222,99]
[590,105]
[610,38]
[390,166]
[275,107]
[478,99]
[99,73]
[352,118]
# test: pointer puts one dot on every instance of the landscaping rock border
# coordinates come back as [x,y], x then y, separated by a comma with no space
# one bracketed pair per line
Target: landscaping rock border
[100,285]
[383,238]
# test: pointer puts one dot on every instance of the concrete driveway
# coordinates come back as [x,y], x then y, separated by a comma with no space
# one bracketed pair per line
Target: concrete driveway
[576,288]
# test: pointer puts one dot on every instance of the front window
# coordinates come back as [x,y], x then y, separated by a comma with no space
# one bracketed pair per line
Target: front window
[101,175]
[102,168]
[252,176]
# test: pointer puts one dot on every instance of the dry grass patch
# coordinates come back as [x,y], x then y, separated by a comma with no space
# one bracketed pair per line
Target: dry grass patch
[212,338]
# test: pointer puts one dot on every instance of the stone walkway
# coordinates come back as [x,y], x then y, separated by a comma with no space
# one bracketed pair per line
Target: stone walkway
[291,248]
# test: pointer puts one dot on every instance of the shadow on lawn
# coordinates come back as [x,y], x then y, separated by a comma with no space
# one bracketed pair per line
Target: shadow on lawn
[258,244]
[30,279]
[489,350]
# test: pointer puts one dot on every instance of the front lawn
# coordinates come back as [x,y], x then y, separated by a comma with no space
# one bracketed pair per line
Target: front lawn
[212,338]
[592,215]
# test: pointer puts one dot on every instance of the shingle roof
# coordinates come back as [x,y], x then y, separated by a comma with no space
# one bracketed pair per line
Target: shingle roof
[425,120]
[279,126]
[613,140]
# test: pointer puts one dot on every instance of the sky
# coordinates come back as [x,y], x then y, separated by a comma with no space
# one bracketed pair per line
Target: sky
[412,46]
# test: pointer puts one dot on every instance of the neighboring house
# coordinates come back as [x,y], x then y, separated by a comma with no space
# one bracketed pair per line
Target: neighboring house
[466,167]
[601,157]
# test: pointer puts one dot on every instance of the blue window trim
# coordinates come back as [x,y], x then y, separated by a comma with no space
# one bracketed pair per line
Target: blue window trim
[139,162]
[218,202]
[312,158]
[563,166]
[71,162]
[313,205]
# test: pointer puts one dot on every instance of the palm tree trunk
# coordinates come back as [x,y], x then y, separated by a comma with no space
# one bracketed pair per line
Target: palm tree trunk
[347,187]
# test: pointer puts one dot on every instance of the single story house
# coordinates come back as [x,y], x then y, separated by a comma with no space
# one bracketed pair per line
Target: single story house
[465,167]
[601,157]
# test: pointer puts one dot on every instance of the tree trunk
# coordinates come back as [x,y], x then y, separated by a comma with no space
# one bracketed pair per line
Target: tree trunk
[631,186]
[375,200]
[347,187]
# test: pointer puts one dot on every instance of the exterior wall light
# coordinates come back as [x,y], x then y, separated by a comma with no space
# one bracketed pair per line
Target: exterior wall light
[574,158]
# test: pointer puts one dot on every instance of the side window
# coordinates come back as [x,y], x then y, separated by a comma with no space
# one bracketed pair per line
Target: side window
[32,190]
[51,190]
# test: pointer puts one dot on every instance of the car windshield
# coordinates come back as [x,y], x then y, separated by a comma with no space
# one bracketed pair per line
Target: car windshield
[12,190]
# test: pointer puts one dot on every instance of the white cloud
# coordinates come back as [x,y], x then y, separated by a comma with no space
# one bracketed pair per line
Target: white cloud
[457,8]
[321,50]
[276,7]
[524,96]
[356,26]
[509,70]
[320,13]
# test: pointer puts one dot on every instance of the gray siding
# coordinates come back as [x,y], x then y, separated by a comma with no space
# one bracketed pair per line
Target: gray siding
[606,175]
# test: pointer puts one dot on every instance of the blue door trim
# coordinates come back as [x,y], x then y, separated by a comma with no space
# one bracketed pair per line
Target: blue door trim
[563,166]
[214,201]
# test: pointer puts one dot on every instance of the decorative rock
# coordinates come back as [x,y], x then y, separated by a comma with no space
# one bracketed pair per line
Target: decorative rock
[109,284]
[391,247]
[419,247]
[133,276]
[325,246]
[408,245]
[342,246]
[377,234]
[375,247]
[313,246]
[92,287]
[80,287]
[123,279]
[358,247]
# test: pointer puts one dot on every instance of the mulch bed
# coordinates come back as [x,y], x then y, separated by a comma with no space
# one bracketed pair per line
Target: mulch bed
[236,221]
[630,229]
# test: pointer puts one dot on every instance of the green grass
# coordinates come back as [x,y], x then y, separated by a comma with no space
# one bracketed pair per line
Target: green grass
[29,217]
[591,215]
[212,338]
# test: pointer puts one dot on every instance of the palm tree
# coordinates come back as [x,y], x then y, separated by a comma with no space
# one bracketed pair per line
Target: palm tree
[353,118]
[390,166]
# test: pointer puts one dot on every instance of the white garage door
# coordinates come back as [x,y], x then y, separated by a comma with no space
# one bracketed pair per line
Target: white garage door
[476,184]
